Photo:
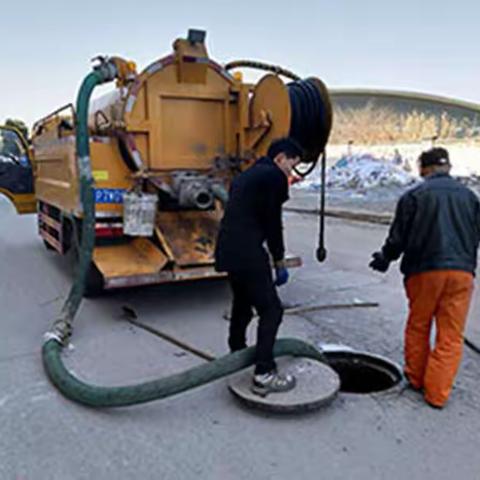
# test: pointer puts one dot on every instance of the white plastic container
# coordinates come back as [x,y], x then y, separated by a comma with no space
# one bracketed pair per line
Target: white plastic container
[139,214]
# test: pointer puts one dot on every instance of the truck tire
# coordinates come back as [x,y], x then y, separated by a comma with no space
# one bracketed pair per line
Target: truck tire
[94,284]
[48,246]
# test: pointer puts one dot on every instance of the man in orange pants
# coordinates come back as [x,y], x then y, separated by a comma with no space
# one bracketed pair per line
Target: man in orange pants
[437,229]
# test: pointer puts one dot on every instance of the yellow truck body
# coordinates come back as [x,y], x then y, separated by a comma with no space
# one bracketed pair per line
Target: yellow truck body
[182,125]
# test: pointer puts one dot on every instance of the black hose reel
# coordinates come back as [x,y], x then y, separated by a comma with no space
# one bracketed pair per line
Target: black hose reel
[311,122]
[310,125]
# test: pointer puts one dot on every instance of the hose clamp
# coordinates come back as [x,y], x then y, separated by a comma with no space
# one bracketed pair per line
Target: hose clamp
[60,332]
[106,67]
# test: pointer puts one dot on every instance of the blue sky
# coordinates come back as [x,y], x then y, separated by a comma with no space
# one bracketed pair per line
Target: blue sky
[427,46]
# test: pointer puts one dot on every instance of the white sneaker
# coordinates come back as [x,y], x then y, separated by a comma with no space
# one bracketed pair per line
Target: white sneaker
[272,382]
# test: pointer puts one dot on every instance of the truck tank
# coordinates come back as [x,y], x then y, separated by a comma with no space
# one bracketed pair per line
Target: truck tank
[165,144]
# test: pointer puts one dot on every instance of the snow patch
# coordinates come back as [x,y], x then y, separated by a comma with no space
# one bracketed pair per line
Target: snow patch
[360,168]
[364,171]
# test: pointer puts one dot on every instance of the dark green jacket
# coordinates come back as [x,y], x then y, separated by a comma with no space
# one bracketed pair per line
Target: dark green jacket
[436,227]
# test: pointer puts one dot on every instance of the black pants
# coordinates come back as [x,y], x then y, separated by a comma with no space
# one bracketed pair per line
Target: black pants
[255,288]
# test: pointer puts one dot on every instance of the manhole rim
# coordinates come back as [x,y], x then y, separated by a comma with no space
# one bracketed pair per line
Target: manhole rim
[304,407]
[285,411]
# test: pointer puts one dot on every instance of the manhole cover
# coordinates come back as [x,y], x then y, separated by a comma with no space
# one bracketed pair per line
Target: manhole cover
[317,385]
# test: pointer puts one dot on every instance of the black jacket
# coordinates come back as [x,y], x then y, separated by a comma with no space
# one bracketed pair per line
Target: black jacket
[253,215]
[436,227]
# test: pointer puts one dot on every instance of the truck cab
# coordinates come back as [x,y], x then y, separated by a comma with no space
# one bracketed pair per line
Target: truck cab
[16,170]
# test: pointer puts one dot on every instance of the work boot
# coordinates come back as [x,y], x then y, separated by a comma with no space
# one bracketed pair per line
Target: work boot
[272,382]
[433,405]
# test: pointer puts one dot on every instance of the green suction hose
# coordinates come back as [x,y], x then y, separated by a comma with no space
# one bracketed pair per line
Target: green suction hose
[104,72]
[96,396]
[57,338]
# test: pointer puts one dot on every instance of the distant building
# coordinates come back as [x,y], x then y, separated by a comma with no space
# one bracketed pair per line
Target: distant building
[380,116]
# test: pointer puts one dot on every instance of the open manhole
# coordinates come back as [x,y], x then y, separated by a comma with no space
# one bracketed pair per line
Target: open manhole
[362,372]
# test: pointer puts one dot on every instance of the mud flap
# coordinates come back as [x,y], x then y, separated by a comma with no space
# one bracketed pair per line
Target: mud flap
[138,258]
[189,236]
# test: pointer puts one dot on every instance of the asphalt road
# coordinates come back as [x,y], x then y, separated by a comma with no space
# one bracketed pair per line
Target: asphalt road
[205,434]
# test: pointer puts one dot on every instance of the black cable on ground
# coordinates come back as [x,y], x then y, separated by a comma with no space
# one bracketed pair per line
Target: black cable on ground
[473,346]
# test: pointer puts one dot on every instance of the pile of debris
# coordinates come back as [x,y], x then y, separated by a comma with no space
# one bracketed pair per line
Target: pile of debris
[363,171]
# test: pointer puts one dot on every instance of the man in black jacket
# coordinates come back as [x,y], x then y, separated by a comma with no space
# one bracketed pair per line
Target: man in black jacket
[253,216]
[437,229]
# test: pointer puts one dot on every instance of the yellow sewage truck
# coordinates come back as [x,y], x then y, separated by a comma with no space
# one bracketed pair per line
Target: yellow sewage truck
[164,146]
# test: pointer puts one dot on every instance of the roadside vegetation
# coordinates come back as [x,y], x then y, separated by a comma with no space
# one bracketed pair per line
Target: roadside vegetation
[372,125]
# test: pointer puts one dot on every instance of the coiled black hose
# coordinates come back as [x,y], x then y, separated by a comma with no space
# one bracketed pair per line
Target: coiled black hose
[311,119]
[310,126]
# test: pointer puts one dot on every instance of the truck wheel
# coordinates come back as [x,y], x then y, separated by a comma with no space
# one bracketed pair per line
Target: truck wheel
[48,246]
[67,235]
[94,284]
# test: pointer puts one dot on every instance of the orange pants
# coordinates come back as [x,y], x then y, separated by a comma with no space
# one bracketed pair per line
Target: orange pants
[443,295]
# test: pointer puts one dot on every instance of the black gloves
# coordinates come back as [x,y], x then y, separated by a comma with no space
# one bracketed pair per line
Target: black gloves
[379,262]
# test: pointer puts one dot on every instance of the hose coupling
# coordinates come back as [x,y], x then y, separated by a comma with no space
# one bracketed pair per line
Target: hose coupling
[61,332]
[220,192]
[111,68]
[106,67]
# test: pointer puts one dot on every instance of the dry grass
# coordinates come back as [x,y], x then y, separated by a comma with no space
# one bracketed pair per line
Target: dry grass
[373,125]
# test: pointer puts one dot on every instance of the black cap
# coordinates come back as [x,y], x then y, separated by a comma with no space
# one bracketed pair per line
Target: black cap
[435,156]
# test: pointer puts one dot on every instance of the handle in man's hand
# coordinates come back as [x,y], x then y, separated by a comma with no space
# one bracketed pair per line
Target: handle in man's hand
[281,273]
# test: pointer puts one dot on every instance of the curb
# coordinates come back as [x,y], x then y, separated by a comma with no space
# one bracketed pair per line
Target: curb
[358,215]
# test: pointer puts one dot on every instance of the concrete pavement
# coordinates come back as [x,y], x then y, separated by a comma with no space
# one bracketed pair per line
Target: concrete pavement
[205,434]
